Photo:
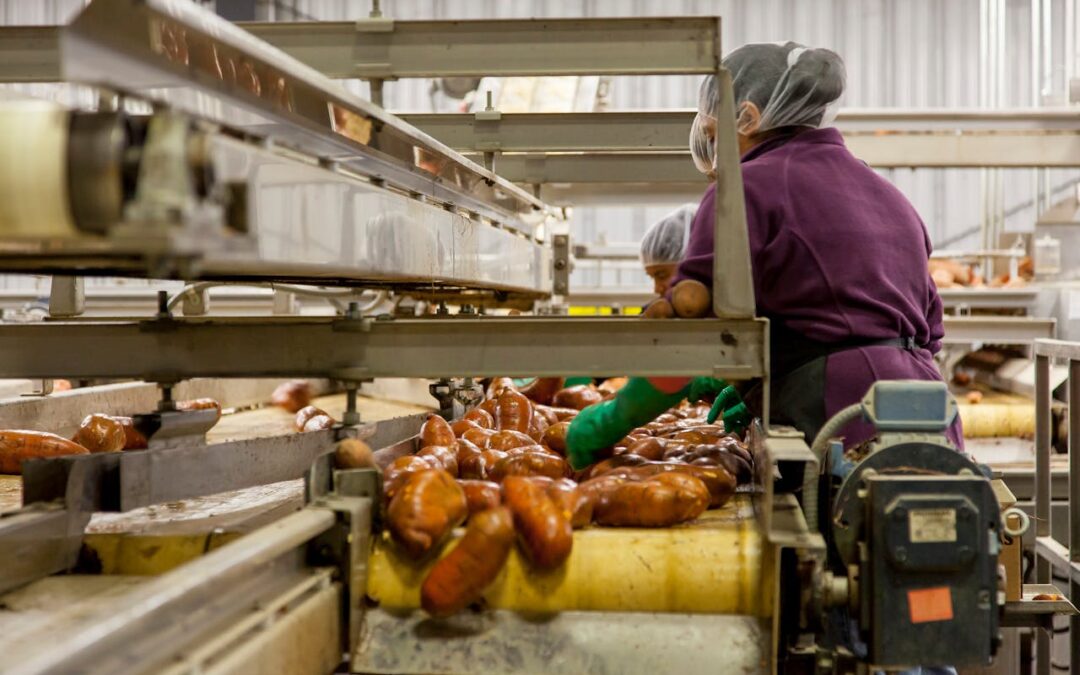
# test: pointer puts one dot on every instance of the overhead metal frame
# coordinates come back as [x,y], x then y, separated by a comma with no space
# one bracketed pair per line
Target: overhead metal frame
[353,349]
[882,138]
[387,49]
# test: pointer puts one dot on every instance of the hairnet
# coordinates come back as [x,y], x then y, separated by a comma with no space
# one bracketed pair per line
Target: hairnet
[665,241]
[791,85]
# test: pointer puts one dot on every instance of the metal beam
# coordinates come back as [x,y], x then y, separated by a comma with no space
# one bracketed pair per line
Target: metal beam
[992,298]
[389,49]
[360,349]
[998,329]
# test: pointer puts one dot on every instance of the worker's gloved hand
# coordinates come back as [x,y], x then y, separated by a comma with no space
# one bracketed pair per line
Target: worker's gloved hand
[730,406]
[602,425]
[705,387]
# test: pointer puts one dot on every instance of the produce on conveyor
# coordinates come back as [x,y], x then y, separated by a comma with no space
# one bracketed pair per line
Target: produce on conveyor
[101,433]
[691,299]
[312,418]
[200,404]
[18,445]
[509,452]
[96,433]
[352,453]
[949,273]
[292,395]
[460,578]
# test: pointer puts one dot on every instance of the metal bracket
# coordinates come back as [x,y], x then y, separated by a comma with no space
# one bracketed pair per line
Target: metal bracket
[560,263]
[67,296]
[346,545]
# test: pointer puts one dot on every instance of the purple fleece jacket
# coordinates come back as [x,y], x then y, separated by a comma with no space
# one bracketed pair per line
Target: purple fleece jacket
[838,253]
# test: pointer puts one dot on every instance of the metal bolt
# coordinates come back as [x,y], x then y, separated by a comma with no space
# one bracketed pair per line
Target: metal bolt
[163,304]
[353,311]
[901,553]
[560,264]
[489,103]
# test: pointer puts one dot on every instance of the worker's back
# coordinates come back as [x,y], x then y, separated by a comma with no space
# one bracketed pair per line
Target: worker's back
[838,252]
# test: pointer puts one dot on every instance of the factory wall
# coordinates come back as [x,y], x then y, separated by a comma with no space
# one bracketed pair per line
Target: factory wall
[899,53]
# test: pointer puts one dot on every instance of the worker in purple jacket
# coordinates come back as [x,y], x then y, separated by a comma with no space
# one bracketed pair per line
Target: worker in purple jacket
[839,256]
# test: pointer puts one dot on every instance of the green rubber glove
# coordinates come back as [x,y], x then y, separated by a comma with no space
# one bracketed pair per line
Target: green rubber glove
[702,387]
[602,425]
[736,415]
[574,381]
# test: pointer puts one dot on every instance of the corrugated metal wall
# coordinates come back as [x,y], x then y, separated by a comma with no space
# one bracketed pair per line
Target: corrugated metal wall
[899,53]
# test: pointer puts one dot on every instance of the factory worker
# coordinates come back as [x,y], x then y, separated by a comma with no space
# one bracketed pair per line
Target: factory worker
[838,255]
[663,246]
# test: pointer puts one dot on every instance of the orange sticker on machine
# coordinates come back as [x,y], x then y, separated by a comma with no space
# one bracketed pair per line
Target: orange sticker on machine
[930,604]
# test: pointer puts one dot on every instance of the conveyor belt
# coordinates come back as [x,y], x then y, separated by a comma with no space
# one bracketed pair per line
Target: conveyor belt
[715,565]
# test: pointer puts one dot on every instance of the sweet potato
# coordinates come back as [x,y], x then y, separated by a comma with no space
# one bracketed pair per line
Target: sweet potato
[575,503]
[543,531]
[660,501]
[691,299]
[538,426]
[542,389]
[133,438]
[100,433]
[490,406]
[650,448]
[436,431]
[577,397]
[555,437]
[306,413]
[319,422]
[498,385]
[506,440]
[425,510]
[399,470]
[17,446]
[481,417]
[719,483]
[481,495]
[659,309]
[479,466]
[564,414]
[444,457]
[463,449]
[200,404]
[513,412]
[529,464]
[353,453]
[292,395]
[612,385]
[461,576]
[459,427]
[479,437]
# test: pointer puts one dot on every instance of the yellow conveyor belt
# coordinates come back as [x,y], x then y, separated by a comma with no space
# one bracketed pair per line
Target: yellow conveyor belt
[717,564]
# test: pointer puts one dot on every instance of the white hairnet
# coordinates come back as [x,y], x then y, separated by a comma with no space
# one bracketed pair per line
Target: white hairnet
[791,85]
[665,241]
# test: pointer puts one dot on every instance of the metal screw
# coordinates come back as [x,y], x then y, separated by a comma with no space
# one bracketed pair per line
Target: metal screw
[560,264]
[901,553]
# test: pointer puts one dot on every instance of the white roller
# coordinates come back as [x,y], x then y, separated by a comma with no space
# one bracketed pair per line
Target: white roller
[33,170]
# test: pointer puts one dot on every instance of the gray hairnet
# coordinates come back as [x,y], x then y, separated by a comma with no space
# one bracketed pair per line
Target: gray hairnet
[665,241]
[791,85]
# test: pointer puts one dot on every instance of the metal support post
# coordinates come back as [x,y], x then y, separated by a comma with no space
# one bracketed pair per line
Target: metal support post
[166,403]
[67,296]
[1042,494]
[1074,509]
[351,417]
